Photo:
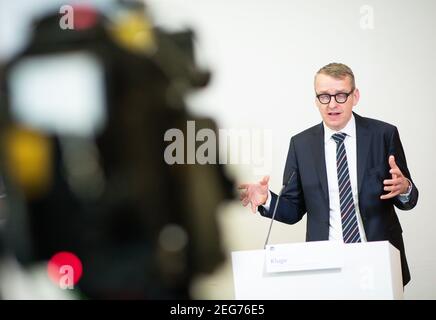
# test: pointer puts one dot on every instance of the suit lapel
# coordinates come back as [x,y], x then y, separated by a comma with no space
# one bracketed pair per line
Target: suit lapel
[319,158]
[363,142]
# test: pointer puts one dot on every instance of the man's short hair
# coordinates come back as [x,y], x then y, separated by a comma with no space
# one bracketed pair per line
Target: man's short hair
[338,71]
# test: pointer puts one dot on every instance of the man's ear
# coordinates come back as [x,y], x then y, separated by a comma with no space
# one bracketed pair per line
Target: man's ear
[356,96]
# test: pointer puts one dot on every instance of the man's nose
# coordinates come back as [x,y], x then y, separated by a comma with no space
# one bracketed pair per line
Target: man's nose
[332,104]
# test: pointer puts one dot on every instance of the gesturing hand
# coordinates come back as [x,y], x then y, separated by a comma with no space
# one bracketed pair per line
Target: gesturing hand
[254,193]
[398,184]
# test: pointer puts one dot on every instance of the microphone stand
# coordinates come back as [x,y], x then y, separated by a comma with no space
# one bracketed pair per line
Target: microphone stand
[275,208]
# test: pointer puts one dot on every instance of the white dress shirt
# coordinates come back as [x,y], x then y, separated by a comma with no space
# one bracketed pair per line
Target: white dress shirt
[335,225]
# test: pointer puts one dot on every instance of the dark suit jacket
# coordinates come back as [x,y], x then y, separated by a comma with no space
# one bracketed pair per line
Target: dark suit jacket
[308,190]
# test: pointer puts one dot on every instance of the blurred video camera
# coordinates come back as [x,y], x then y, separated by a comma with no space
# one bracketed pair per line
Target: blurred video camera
[84,111]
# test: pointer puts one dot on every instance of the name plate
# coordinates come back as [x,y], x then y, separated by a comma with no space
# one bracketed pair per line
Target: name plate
[316,255]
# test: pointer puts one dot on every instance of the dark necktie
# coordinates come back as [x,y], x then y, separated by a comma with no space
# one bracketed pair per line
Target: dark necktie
[350,228]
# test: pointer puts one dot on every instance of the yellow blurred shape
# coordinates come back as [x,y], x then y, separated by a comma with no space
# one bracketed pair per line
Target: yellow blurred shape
[28,156]
[135,33]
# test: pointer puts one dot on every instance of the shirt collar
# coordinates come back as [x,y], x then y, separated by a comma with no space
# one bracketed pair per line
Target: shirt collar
[349,129]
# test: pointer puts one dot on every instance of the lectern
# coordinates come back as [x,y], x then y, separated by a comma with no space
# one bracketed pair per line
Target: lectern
[319,270]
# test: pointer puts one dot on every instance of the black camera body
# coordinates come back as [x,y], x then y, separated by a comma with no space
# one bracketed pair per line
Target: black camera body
[141,227]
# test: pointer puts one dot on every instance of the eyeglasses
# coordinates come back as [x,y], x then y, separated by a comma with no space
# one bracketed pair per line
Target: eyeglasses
[340,97]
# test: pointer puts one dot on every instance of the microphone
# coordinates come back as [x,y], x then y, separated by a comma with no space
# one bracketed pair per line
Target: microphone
[275,207]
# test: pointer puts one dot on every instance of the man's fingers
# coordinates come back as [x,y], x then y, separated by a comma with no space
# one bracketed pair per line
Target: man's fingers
[389,195]
[387,188]
[253,207]
[251,191]
[265,180]
[396,172]
[386,196]
[392,181]
[393,188]
[392,162]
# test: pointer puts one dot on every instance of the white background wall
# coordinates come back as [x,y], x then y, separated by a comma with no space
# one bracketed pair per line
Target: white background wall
[264,54]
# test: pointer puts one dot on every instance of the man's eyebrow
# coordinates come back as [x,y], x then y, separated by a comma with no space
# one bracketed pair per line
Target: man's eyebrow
[335,92]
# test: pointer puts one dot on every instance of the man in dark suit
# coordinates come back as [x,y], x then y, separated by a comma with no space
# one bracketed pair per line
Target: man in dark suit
[349,172]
